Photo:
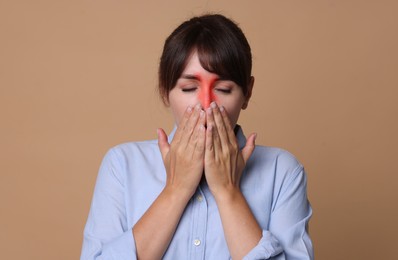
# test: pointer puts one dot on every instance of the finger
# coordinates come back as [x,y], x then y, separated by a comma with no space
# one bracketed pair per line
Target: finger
[249,147]
[181,125]
[190,125]
[220,125]
[163,143]
[209,152]
[215,136]
[195,142]
[228,126]
[200,142]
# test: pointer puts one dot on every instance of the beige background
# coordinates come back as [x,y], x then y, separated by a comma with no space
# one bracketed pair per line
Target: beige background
[77,77]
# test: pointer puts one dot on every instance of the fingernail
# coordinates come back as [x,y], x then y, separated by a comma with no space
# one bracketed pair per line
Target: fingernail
[202,113]
[198,107]
[221,108]
[189,109]
[213,104]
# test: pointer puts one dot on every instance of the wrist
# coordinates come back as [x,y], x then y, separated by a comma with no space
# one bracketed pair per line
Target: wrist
[227,195]
[177,195]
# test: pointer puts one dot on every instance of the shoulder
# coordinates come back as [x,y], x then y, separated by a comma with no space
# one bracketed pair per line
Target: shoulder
[283,165]
[131,151]
[274,155]
[137,144]
[127,157]
[135,147]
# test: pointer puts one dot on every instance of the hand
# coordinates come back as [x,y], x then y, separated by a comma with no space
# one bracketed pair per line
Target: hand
[224,162]
[183,158]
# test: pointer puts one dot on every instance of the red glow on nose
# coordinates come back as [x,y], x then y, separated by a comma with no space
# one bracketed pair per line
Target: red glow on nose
[206,95]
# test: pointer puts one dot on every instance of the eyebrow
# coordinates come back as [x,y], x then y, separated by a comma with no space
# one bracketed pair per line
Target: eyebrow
[189,76]
[194,77]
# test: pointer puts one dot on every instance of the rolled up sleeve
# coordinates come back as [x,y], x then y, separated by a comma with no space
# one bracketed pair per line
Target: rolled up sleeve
[290,216]
[287,235]
[106,235]
[267,247]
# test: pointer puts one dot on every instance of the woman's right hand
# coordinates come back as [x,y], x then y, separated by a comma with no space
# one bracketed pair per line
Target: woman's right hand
[183,158]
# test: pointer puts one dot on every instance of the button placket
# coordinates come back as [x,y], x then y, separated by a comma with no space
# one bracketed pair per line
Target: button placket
[199,225]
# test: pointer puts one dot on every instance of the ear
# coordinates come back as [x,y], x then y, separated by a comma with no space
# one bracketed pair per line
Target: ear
[166,101]
[249,93]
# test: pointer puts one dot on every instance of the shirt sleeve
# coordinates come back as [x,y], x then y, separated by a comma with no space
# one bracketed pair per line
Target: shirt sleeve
[290,216]
[106,235]
[267,247]
[287,237]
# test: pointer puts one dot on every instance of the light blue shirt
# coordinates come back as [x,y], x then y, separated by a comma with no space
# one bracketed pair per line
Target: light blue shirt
[132,175]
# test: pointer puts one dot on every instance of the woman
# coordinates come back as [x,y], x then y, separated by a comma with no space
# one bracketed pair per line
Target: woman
[205,191]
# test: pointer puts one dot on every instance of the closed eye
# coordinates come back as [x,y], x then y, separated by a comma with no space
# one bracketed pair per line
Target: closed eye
[189,89]
[225,91]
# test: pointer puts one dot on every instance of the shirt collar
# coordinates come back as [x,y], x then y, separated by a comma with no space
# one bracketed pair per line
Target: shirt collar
[238,132]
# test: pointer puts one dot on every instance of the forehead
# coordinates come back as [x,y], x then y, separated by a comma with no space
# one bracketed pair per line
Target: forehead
[194,69]
[193,63]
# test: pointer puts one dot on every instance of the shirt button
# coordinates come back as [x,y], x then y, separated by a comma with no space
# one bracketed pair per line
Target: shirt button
[199,198]
[196,242]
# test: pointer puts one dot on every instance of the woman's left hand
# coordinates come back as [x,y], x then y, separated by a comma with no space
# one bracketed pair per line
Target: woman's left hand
[224,162]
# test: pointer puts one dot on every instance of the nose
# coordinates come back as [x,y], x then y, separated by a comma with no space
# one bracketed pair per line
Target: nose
[206,96]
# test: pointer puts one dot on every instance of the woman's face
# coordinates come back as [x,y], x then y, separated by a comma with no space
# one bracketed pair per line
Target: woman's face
[197,85]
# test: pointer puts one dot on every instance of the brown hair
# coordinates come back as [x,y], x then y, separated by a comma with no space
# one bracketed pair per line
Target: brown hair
[222,49]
